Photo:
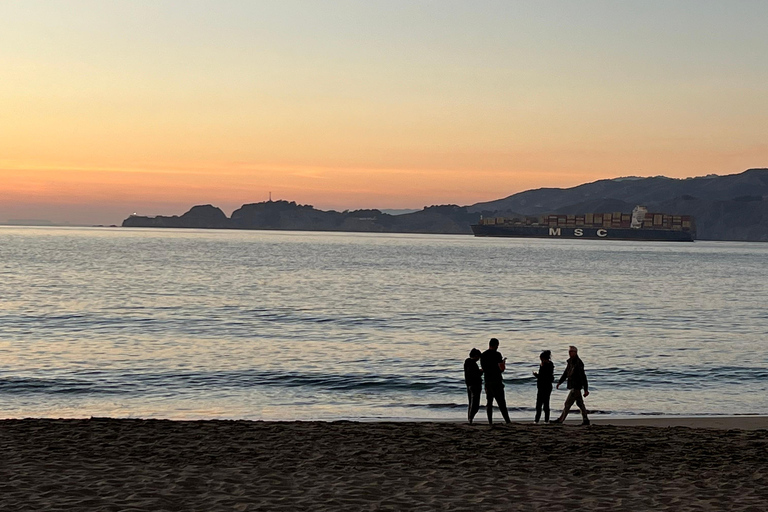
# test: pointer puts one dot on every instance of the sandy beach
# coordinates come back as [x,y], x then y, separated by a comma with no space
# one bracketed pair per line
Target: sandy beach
[108,464]
[716,422]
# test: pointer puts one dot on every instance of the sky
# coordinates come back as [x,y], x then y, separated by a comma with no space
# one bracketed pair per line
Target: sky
[109,108]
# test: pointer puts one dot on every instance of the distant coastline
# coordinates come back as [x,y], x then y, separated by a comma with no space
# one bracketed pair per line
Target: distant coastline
[730,207]
[288,215]
[30,222]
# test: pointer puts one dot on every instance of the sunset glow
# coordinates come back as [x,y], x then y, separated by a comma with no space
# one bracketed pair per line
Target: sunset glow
[110,108]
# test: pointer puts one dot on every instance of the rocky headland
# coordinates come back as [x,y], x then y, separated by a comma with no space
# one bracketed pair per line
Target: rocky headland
[288,215]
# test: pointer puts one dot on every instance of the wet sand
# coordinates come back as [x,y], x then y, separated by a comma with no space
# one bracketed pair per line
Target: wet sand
[111,465]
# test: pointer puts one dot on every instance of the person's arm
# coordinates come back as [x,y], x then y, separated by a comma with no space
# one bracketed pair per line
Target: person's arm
[586,384]
[563,377]
[475,371]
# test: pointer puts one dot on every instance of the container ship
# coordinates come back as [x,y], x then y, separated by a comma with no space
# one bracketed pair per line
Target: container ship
[639,225]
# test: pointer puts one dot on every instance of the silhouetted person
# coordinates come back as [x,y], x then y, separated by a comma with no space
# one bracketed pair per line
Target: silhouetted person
[577,379]
[544,378]
[473,376]
[493,366]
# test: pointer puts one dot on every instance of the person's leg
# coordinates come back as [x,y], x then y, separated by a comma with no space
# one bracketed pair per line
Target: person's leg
[539,403]
[474,402]
[489,404]
[501,401]
[582,407]
[545,403]
[567,406]
[469,406]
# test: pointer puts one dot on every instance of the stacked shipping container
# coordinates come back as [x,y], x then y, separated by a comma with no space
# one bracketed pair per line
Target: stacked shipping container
[597,220]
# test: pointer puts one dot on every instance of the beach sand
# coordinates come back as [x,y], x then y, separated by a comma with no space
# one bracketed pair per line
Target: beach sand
[111,465]
[717,422]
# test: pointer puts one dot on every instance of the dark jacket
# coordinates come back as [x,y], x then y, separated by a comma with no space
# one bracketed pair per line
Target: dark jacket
[473,375]
[546,375]
[574,372]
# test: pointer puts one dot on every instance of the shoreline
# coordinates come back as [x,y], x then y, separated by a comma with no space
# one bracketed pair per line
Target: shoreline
[717,422]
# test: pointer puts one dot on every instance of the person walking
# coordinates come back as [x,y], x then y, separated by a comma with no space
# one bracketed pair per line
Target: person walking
[473,377]
[544,378]
[493,366]
[577,379]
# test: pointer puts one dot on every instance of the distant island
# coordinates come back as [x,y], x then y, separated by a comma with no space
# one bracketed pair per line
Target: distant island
[287,215]
[730,207]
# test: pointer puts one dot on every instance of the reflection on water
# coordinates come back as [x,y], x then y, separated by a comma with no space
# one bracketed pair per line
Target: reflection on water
[281,325]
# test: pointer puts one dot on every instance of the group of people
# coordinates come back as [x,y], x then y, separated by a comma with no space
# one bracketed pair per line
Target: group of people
[493,365]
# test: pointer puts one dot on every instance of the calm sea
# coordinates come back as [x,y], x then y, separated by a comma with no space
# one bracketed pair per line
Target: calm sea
[189,324]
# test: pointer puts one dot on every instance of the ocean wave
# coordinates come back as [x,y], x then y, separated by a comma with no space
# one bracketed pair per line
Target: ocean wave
[678,376]
[105,382]
[124,382]
[68,386]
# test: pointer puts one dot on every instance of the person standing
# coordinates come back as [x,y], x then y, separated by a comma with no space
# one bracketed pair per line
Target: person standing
[473,377]
[577,379]
[493,366]
[544,378]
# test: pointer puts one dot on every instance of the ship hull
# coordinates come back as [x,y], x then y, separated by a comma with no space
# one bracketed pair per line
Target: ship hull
[588,233]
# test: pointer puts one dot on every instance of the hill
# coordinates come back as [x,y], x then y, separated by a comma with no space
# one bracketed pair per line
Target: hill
[647,191]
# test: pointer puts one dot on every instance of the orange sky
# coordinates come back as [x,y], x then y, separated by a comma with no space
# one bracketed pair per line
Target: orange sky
[112,108]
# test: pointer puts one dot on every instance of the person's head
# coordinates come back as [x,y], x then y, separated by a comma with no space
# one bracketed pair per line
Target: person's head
[493,344]
[573,351]
[474,354]
[545,356]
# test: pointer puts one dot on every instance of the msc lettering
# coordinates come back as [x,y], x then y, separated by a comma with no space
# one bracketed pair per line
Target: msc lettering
[577,232]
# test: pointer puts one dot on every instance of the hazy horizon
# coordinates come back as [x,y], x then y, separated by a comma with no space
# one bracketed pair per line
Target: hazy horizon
[40,221]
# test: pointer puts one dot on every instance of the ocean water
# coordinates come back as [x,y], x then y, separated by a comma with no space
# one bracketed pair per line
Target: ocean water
[190,324]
